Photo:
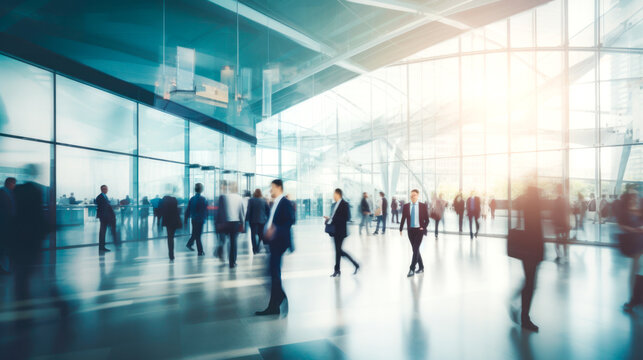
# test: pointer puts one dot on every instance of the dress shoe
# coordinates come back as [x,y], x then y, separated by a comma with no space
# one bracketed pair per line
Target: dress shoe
[356,269]
[528,325]
[104,249]
[190,247]
[283,307]
[233,265]
[201,253]
[171,258]
[411,273]
[375,233]
[419,271]
[267,312]
[337,273]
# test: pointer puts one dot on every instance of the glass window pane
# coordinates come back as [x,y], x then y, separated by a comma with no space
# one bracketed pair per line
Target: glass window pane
[550,88]
[496,190]
[622,23]
[90,117]
[580,22]
[158,179]
[582,99]
[473,104]
[522,30]
[621,99]
[548,23]
[496,35]
[18,154]
[26,100]
[496,103]
[523,102]
[582,184]
[79,175]
[205,146]
[161,135]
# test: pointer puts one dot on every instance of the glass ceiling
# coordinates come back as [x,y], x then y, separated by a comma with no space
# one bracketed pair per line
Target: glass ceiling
[243,61]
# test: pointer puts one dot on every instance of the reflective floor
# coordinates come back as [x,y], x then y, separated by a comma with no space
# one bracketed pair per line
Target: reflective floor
[133,303]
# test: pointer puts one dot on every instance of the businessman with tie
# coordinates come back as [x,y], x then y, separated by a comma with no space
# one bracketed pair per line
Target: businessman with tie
[105,213]
[416,216]
[277,234]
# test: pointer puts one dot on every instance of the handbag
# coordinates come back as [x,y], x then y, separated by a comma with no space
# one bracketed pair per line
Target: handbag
[630,244]
[330,229]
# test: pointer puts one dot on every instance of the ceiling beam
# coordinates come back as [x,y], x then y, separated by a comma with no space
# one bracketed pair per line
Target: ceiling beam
[285,30]
[414,9]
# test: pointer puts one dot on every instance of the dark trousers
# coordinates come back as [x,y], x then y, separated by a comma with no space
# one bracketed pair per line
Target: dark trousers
[232,232]
[256,235]
[170,241]
[437,224]
[339,253]
[471,220]
[111,224]
[381,219]
[197,230]
[528,288]
[460,221]
[395,218]
[415,237]
[277,293]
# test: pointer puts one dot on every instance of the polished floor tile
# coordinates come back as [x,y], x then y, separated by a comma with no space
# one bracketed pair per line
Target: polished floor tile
[133,303]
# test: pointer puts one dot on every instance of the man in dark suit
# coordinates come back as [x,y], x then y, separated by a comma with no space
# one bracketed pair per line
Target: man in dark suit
[278,235]
[458,206]
[473,213]
[106,216]
[257,215]
[416,215]
[339,215]
[169,210]
[197,209]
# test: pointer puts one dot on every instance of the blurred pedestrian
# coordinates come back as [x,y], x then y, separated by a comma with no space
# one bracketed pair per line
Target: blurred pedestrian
[336,227]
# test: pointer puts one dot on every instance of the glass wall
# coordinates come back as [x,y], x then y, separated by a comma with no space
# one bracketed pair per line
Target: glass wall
[552,94]
[90,138]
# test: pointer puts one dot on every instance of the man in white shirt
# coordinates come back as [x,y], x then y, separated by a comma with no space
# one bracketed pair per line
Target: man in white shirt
[230,221]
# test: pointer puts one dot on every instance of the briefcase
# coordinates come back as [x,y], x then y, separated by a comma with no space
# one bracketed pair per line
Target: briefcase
[630,244]
[517,244]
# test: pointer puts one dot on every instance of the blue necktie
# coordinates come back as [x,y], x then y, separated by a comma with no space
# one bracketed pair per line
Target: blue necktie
[413,224]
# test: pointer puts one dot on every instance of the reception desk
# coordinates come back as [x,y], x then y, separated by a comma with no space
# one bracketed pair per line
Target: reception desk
[70,215]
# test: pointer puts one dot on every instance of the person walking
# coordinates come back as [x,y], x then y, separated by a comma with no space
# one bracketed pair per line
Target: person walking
[394,206]
[437,211]
[458,207]
[630,221]
[257,215]
[416,216]
[230,221]
[171,220]
[107,217]
[560,219]
[473,213]
[336,227]
[529,205]
[365,211]
[197,211]
[278,235]
[382,209]
[7,214]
